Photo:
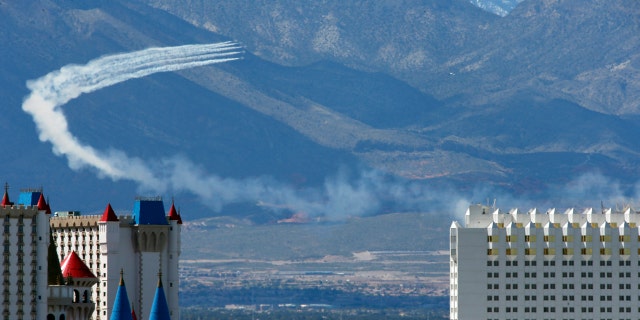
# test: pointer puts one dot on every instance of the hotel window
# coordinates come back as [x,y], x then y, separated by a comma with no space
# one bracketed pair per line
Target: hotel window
[605,251]
[567,238]
[605,238]
[607,263]
[586,238]
[567,251]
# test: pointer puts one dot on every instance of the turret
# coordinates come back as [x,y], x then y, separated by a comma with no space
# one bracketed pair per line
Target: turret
[121,309]
[173,250]
[5,199]
[159,308]
[109,239]
[81,279]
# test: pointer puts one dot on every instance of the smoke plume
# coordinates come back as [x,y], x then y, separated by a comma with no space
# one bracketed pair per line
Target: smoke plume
[342,195]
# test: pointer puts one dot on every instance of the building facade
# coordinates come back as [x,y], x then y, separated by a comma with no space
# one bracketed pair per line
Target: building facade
[545,265]
[24,258]
[141,244]
[95,250]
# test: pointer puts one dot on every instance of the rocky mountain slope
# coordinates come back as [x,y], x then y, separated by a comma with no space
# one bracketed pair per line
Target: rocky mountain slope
[499,7]
[422,90]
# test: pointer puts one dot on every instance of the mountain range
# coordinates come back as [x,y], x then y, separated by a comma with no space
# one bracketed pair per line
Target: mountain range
[429,95]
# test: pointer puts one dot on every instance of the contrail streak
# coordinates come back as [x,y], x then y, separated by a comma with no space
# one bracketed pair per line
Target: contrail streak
[55,89]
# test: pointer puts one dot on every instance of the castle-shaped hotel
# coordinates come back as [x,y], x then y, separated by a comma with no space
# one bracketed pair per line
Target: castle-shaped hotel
[99,254]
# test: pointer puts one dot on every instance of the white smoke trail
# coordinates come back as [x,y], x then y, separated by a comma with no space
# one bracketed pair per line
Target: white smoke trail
[53,90]
[341,196]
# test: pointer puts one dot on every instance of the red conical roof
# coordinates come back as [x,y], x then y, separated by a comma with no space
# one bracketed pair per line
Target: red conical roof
[173,214]
[108,214]
[73,266]
[133,314]
[5,200]
[42,204]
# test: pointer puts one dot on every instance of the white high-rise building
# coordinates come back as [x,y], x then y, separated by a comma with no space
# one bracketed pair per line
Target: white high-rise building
[545,265]
[24,258]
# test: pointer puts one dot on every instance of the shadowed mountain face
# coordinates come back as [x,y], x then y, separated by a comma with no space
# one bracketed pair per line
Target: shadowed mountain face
[426,91]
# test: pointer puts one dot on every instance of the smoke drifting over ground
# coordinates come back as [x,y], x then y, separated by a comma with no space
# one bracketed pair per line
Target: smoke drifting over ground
[344,194]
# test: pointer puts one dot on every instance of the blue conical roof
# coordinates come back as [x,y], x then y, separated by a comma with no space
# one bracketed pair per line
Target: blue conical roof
[159,308]
[121,308]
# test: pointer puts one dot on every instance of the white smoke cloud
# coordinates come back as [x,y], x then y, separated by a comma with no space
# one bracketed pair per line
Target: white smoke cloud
[341,196]
[53,90]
